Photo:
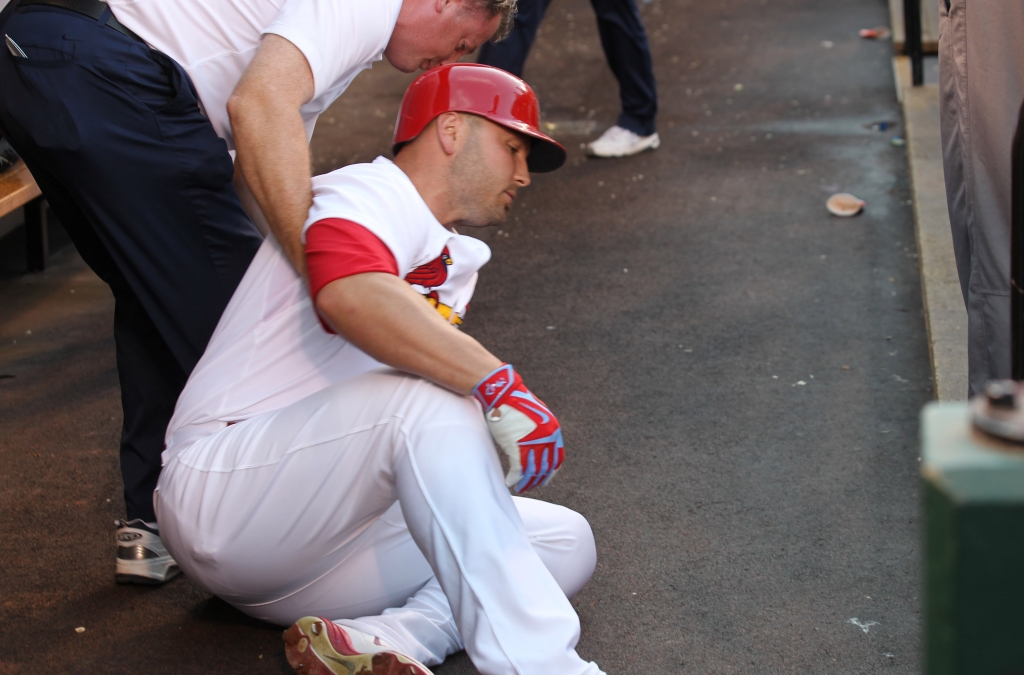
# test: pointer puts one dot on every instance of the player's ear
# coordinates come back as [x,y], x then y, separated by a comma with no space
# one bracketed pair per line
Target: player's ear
[449,127]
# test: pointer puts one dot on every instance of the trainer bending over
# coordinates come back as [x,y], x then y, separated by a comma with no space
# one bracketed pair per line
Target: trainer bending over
[304,477]
[126,113]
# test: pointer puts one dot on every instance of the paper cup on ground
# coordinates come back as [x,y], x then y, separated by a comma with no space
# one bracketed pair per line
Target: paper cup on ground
[844,204]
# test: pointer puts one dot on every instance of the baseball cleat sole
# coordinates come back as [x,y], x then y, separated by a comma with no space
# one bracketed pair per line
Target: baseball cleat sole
[315,646]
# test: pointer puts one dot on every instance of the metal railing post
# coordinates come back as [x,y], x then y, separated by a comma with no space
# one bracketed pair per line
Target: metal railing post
[912,39]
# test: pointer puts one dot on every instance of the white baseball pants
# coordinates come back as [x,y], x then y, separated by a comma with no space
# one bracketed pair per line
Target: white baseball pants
[294,513]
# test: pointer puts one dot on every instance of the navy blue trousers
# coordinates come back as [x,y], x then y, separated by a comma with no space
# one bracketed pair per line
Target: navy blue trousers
[112,132]
[624,41]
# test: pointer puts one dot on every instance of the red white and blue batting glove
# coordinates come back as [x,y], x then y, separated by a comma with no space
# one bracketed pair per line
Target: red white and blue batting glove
[523,427]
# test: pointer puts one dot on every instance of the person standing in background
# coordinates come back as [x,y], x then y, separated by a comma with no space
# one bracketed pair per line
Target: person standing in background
[625,46]
[981,84]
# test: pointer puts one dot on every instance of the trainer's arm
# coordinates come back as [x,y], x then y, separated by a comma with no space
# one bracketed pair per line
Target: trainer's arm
[270,139]
[382,315]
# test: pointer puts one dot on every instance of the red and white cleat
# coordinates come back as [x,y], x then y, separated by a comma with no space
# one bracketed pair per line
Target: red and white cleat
[315,646]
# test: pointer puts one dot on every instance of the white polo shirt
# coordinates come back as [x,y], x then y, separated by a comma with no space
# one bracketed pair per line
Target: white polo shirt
[214,41]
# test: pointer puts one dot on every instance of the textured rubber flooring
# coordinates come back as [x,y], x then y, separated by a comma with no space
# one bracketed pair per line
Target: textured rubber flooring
[738,373]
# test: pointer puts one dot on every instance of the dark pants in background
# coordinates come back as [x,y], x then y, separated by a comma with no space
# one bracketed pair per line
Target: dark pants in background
[624,41]
[112,132]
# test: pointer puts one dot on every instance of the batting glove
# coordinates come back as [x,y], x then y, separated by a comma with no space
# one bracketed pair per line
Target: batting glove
[523,427]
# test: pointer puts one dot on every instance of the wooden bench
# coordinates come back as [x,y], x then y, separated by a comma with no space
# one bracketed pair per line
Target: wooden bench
[17,189]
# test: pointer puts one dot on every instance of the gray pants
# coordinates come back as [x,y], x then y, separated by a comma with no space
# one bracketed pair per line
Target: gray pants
[981,73]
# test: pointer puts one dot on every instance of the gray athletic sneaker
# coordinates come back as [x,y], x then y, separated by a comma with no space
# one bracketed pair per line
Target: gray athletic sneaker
[141,556]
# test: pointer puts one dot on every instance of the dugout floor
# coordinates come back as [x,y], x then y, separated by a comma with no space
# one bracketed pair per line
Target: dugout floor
[738,373]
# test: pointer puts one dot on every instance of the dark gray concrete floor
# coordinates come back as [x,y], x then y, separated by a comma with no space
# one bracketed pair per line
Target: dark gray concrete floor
[738,373]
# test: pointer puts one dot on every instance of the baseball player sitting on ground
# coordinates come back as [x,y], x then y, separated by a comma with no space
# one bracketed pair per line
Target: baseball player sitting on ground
[331,456]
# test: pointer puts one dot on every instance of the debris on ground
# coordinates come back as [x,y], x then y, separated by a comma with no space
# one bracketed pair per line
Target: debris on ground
[882,125]
[80,629]
[844,204]
[863,625]
[828,44]
[898,141]
[877,33]
[570,127]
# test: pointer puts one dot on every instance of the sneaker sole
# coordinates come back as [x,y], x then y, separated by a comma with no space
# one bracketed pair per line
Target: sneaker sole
[144,573]
[136,580]
[312,654]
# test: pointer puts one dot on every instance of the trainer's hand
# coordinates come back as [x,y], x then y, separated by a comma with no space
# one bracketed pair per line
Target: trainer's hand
[524,428]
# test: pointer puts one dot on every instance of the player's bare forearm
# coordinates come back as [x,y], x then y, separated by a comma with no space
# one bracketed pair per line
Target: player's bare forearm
[382,315]
[270,139]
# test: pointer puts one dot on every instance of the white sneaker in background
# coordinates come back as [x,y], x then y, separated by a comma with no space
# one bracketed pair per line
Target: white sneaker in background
[619,142]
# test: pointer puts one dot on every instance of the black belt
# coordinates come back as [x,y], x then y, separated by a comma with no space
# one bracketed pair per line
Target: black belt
[91,8]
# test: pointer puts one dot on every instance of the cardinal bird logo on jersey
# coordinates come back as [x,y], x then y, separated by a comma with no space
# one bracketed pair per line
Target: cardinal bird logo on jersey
[430,276]
[433,274]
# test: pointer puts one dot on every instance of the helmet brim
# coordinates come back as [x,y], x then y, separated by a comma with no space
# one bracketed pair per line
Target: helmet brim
[546,154]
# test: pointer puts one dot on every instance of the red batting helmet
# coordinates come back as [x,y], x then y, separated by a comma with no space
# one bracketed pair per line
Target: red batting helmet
[481,90]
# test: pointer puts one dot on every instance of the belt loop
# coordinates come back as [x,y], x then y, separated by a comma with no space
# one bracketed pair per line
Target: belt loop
[105,16]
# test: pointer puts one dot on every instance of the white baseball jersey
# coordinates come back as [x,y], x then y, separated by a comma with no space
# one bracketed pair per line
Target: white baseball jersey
[269,349]
[214,41]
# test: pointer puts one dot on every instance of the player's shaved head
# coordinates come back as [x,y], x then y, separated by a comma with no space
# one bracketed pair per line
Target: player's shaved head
[467,168]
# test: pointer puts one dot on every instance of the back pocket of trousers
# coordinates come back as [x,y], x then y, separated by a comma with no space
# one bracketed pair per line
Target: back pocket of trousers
[152,79]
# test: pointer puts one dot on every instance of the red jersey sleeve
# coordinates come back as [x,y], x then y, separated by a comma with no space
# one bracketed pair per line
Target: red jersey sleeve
[337,248]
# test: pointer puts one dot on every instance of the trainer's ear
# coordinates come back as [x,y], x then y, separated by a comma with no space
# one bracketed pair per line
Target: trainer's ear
[450,128]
